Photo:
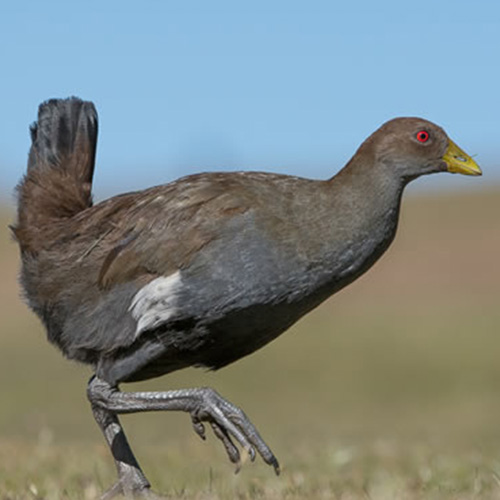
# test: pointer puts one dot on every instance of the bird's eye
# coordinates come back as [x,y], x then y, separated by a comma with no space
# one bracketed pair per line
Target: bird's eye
[423,136]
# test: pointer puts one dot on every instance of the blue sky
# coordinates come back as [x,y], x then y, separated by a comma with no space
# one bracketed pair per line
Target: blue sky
[266,85]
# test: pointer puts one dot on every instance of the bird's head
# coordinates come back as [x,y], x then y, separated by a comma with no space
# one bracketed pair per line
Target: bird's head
[411,147]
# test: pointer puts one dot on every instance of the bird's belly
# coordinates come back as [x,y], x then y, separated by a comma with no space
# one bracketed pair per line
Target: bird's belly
[241,321]
[242,332]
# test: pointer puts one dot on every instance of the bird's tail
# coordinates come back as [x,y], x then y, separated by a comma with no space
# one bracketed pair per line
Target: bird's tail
[58,181]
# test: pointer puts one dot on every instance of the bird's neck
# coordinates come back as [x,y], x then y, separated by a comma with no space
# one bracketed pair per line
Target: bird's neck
[373,186]
[364,205]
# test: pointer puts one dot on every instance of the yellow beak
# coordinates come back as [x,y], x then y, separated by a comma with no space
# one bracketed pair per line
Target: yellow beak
[459,162]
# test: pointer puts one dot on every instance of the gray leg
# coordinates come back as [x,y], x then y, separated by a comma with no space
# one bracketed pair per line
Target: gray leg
[204,404]
[131,479]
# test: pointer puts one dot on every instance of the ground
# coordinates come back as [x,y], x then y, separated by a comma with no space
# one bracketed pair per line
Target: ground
[389,390]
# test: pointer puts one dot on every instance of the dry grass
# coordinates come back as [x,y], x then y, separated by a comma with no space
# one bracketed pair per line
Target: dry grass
[383,470]
[389,390]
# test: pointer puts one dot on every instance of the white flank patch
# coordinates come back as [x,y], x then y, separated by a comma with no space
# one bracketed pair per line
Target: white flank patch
[156,302]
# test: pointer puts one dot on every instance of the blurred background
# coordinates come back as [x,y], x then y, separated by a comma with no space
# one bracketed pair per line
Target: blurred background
[389,389]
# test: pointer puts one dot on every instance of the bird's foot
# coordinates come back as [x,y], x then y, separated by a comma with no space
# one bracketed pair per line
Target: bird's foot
[130,488]
[230,422]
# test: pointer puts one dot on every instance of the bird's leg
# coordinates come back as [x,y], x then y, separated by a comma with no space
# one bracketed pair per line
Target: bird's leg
[131,479]
[203,404]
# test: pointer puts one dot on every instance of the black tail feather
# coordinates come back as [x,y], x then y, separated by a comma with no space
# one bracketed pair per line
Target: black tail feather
[58,182]
[64,134]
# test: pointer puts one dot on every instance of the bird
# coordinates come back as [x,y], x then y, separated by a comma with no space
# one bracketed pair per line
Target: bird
[201,271]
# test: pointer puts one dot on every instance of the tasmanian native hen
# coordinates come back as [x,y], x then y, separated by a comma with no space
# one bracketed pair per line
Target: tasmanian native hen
[201,271]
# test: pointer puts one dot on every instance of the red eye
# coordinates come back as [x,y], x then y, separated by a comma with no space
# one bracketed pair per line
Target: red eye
[423,136]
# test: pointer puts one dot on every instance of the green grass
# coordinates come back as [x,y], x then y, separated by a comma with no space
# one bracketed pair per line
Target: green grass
[382,470]
[388,391]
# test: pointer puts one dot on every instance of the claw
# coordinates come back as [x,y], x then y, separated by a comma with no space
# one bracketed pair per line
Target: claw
[276,466]
[231,450]
[230,423]
[198,427]
[251,453]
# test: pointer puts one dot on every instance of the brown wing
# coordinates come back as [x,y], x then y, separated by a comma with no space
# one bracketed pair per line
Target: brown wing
[166,226]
